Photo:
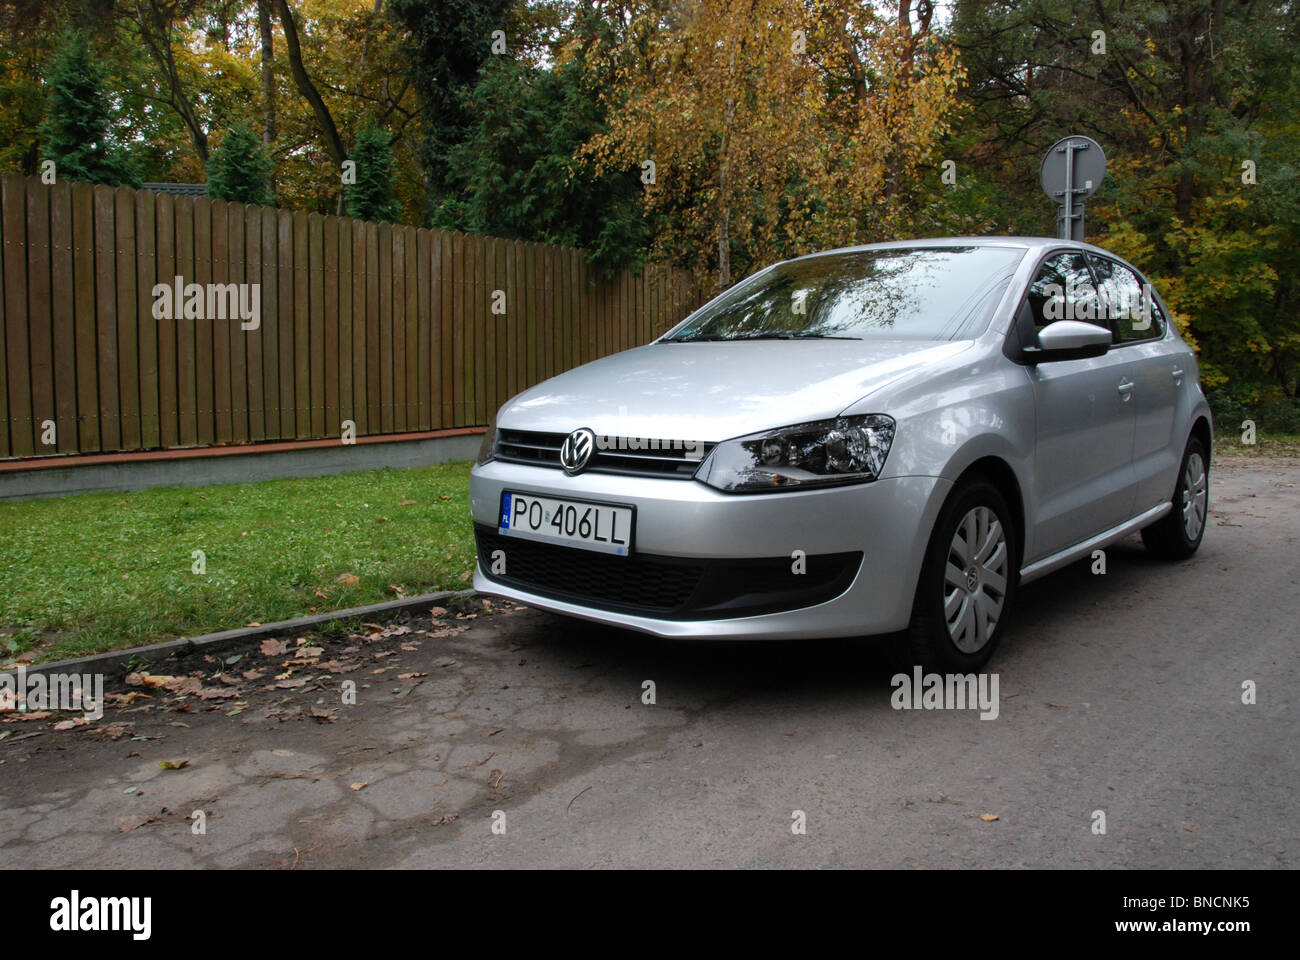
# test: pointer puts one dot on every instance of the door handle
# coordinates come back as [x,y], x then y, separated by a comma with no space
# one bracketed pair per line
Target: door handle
[1125,389]
[1177,373]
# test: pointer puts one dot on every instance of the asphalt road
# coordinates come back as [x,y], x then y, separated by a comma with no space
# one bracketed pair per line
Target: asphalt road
[1119,693]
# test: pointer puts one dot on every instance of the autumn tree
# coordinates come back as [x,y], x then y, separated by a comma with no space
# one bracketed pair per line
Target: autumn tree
[239,168]
[78,128]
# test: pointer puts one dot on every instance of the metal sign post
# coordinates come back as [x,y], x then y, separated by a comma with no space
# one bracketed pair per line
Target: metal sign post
[1071,173]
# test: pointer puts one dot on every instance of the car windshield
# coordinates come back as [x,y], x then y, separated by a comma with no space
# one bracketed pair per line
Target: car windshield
[925,293]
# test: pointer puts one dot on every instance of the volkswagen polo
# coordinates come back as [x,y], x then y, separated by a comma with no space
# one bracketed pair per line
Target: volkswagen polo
[878,440]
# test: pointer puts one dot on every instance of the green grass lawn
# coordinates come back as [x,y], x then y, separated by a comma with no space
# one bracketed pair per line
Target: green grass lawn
[99,572]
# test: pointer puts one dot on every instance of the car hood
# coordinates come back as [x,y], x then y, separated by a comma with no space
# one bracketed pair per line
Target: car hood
[711,391]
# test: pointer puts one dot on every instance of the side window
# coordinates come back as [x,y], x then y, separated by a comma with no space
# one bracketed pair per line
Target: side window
[1063,291]
[1128,305]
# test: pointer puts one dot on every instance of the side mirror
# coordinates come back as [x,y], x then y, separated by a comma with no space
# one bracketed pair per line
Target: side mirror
[1069,340]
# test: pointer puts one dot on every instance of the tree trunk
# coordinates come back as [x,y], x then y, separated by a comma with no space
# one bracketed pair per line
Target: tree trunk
[268,80]
[333,142]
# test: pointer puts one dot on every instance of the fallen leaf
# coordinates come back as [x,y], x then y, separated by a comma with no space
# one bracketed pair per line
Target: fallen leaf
[453,716]
[348,579]
[274,648]
[359,785]
[410,676]
[252,674]
[173,765]
[988,817]
[406,503]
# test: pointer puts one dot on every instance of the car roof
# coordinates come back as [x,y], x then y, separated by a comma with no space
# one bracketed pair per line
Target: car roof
[1023,243]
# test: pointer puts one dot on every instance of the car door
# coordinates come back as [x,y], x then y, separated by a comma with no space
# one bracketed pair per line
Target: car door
[1085,418]
[1161,368]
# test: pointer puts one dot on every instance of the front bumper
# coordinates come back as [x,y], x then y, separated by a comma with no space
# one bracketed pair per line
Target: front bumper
[887,522]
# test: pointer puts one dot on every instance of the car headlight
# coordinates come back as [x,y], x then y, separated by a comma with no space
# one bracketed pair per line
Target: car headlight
[826,453]
[489,443]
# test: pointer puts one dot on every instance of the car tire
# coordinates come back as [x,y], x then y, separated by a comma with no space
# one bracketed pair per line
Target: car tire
[954,606]
[1177,534]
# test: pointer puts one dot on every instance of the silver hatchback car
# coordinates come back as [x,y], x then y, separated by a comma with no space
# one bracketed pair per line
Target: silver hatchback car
[877,440]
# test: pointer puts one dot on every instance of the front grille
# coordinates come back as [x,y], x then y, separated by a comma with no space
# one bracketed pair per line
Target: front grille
[671,588]
[663,459]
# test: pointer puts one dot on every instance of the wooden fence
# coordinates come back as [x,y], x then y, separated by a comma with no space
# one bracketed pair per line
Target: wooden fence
[388,326]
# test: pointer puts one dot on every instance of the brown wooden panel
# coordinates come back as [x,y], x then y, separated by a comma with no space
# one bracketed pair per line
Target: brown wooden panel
[110,417]
[301,327]
[347,345]
[64,332]
[398,373]
[502,392]
[270,332]
[425,314]
[231,329]
[286,282]
[458,328]
[384,279]
[316,319]
[187,385]
[128,345]
[412,330]
[488,327]
[532,306]
[513,334]
[446,323]
[205,220]
[374,382]
[213,332]
[475,328]
[22,437]
[546,288]
[360,402]
[253,381]
[40,315]
[165,326]
[330,308]
[146,277]
[4,366]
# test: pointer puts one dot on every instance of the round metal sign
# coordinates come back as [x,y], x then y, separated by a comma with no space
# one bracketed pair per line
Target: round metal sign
[1074,163]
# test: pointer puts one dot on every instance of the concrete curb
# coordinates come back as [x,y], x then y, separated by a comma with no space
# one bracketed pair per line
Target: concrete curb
[113,659]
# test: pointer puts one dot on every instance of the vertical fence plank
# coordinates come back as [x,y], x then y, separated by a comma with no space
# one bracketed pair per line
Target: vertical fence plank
[446,323]
[7,243]
[474,328]
[502,327]
[347,346]
[216,332]
[205,269]
[457,263]
[110,423]
[398,373]
[231,329]
[424,328]
[269,335]
[374,385]
[187,387]
[384,282]
[316,320]
[128,340]
[285,320]
[165,328]
[513,316]
[412,329]
[488,348]
[252,339]
[146,276]
[21,435]
[301,328]
[40,316]
[360,403]
[330,306]
[436,343]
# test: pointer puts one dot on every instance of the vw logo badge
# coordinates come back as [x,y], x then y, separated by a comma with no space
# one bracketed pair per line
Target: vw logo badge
[576,451]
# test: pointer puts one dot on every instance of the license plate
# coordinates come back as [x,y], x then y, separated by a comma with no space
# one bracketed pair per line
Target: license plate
[573,523]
